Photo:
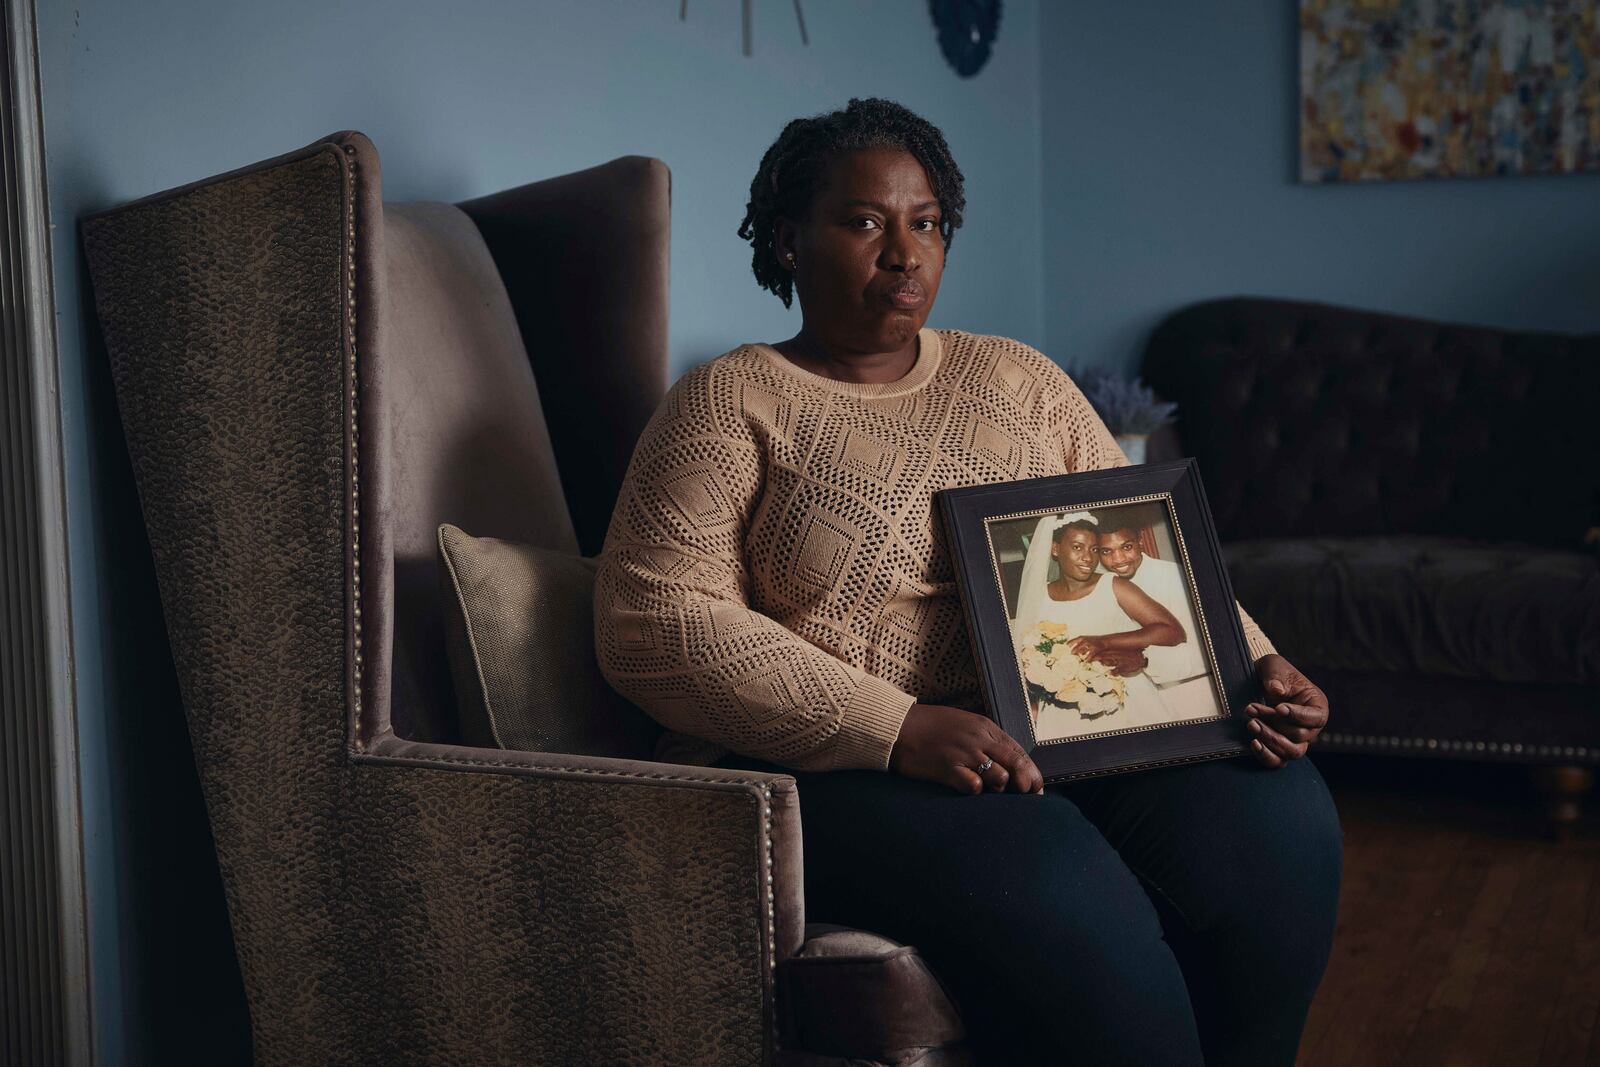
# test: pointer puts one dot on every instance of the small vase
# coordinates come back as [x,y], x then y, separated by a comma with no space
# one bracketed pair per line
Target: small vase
[1133,445]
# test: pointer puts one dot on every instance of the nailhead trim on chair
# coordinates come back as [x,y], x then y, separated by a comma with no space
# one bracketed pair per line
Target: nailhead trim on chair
[1486,748]
[772,913]
[352,440]
[380,755]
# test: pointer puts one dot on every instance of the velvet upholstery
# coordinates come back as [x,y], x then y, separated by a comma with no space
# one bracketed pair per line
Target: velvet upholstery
[464,439]
[1310,420]
[1402,504]
[393,900]
[1457,718]
[585,258]
[1440,607]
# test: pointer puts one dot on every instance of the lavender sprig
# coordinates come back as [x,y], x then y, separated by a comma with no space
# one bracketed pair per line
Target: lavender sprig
[1126,407]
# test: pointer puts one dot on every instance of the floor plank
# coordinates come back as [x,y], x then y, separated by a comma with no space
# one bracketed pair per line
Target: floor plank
[1450,1010]
[1515,996]
[1465,936]
[1381,951]
[1577,1000]
[1360,912]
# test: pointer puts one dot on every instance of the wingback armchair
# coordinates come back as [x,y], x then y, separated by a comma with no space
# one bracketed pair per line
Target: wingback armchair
[310,381]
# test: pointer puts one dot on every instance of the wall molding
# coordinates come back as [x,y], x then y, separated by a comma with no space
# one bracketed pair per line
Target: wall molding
[45,963]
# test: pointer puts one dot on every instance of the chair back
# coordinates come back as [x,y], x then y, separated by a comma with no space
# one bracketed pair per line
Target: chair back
[467,423]
[502,358]
[463,433]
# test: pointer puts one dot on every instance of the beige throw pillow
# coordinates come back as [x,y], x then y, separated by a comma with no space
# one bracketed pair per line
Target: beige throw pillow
[519,629]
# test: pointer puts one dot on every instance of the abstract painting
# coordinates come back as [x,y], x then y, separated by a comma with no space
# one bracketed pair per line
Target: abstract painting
[1396,89]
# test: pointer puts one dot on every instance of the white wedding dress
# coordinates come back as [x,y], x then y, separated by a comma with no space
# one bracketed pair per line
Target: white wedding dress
[1093,616]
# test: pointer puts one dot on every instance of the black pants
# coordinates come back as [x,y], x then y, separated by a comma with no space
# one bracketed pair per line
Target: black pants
[1177,916]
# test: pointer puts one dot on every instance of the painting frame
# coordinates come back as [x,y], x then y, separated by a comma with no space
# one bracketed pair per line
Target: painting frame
[968,515]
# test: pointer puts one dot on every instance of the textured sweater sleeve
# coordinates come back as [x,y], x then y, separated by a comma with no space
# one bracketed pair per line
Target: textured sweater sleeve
[1087,445]
[674,631]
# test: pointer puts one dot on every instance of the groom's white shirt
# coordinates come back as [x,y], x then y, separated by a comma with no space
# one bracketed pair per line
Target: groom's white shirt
[1170,664]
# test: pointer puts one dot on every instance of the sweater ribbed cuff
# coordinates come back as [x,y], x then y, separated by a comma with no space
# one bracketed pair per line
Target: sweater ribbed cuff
[871,725]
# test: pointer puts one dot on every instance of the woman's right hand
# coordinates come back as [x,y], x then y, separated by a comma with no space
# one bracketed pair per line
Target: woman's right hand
[939,743]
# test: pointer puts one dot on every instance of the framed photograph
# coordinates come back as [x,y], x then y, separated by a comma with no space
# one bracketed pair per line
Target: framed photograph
[1102,619]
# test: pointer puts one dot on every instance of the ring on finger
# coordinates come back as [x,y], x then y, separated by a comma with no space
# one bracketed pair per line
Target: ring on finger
[985,765]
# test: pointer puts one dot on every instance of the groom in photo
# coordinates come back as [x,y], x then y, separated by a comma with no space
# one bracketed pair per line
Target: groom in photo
[1180,671]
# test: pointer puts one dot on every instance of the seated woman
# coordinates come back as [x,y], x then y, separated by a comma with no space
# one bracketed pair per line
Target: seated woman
[1110,620]
[774,589]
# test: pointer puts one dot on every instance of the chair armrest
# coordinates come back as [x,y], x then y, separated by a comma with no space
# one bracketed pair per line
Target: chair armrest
[625,911]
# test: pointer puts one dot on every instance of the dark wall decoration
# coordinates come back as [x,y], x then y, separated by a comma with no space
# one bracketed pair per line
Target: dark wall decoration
[967,30]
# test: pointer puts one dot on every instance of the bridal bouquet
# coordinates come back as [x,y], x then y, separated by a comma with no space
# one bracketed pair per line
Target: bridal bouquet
[1058,675]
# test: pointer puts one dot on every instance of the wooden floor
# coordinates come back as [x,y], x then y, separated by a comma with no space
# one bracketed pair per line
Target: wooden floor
[1465,935]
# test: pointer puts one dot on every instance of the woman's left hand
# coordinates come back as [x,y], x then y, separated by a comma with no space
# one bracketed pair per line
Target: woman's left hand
[1284,730]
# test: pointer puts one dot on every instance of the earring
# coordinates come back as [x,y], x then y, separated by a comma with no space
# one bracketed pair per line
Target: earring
[790,257]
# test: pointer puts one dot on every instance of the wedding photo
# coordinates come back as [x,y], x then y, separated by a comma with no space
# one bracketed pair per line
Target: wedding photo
[1103,622]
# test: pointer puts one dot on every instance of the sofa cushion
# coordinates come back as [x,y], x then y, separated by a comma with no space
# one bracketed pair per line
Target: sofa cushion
[855,995]
[519,633]
[1426,606]
[1456,718]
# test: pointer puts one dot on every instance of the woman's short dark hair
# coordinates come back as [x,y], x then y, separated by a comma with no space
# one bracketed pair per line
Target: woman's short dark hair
[792,169]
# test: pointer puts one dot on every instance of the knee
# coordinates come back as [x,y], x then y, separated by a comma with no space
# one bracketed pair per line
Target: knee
[1285,833]
[1312,841]
[1286,892]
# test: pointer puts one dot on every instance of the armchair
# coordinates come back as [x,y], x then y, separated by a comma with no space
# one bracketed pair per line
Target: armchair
[310,381]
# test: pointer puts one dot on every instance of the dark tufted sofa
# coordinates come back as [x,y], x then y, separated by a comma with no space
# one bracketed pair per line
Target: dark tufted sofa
[1403,505]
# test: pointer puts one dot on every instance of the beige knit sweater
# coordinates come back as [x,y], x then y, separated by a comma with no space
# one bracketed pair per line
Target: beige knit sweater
[774,580]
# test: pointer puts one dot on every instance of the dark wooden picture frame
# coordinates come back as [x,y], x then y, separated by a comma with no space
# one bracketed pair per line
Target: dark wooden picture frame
[969,514]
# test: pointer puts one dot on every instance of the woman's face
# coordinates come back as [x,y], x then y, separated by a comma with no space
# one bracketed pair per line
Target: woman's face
[1077,551]
[869,255]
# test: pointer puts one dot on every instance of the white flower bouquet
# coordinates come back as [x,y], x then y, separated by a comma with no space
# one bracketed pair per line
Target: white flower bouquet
[1057,675]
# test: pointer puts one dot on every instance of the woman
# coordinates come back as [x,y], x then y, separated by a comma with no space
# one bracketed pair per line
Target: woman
[774,590]
[1114,622]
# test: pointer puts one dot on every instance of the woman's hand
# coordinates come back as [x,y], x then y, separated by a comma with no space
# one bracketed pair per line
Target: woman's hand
[1121,661]
[939,743]
[1283,731]
[1123,664]
[1087,647]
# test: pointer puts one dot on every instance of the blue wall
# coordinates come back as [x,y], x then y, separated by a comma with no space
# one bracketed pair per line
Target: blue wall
[1169,139]
[461,100]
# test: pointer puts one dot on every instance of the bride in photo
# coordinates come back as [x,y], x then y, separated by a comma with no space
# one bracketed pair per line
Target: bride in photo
[1108,620]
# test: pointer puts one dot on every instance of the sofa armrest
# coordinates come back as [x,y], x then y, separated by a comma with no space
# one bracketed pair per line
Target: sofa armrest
[625,911]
